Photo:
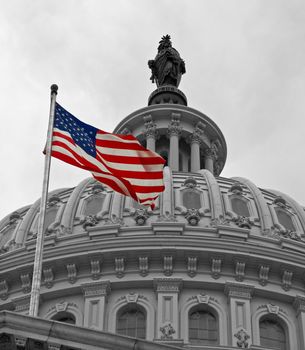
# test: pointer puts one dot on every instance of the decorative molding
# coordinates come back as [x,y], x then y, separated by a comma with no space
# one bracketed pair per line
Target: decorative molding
[220,221]
[236,290]
[22,304]
[273,309]
[243,221]
[168,265]
[143,265]
[242,337]
[192,265]
[25,282]
[53,346]
[286,279]
[190,182]
[140,216]
[101,288]
[165,285]
[95,269]
[240,270]
[216,267]
[263,274]
[90,221]
[62,306]
[193,216]
[48,277]
[167,330]
[236,188]
[20,341]
[119,267]
[72,273]
[3,290]
[132,297]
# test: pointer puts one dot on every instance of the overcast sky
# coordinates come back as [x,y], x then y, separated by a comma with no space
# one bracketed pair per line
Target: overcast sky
[245,70]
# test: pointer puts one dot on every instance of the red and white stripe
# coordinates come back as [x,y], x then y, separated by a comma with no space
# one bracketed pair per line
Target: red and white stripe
[121,163]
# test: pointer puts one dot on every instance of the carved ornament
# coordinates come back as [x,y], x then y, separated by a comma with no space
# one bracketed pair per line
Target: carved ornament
[119,266]
[48,277]
[193,216]
[167,330]
[72,273]
[143,265]
[242,339]
[167,265]
[216,267]
[3,290]
[192,266]
[263,274]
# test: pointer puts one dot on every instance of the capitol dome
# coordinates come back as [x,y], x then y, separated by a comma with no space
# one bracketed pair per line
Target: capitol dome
[218,264]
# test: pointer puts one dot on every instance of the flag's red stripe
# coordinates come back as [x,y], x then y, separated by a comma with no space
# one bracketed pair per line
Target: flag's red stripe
[147,189]
[91,167]
[132,160]
[119,145]
[121,136]
[68,138]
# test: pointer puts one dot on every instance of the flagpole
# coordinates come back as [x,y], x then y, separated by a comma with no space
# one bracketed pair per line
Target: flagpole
[36,280]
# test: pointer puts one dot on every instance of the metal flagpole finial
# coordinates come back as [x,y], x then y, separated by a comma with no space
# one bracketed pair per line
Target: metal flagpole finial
[54,89]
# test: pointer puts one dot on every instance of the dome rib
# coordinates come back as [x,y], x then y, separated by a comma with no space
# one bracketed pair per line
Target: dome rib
[259,201]
[73,201]
[214,192]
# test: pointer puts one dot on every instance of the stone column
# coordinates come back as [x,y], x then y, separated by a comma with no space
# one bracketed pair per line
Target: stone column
[210,158]
[299,305]
[167,290]
[95,302]
[239,296]
[174,131]
[195,141]
[150,132]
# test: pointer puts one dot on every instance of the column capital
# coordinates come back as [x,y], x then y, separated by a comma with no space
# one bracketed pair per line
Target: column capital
[299,304]
[165,285]
[150,127]
[239,290]
[174,127]
[93,289]
[211,152]
[196,136]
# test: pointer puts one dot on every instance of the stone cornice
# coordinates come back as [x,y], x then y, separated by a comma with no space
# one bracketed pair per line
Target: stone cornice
[165,285]
[239,290]
[93,289]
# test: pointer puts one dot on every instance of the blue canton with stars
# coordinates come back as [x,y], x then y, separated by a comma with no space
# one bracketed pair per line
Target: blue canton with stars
[83,134]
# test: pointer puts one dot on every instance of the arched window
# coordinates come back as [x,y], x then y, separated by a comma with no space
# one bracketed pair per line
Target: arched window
[94,204]
[49,217]
[203,328]
[240,207]
[131,321]
[191,199]
[65,317]
[272,334]
[285,220]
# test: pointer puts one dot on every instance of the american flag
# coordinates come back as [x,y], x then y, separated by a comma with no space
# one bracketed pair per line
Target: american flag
[118,161]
